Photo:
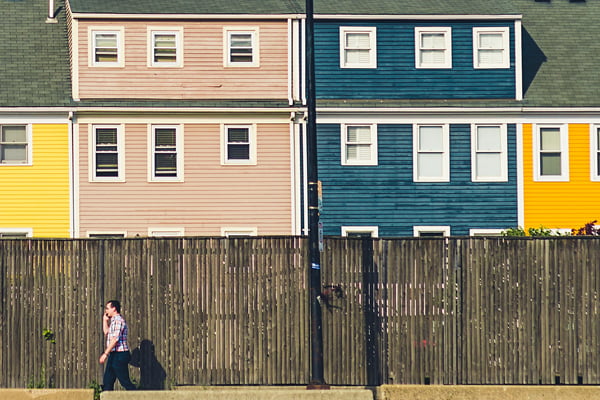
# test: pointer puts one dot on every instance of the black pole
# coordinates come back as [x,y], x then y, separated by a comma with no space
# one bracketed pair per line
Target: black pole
[316,338]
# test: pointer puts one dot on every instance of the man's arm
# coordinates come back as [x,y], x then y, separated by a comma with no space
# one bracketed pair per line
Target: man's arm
[105,324]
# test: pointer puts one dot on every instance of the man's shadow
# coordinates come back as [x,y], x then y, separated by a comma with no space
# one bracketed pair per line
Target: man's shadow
[152,374]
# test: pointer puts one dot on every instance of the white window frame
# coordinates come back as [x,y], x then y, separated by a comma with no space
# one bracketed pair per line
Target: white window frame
[373,230]
[485,232]
[418,229]
[447,31]
[153,31]
[252,138]
[119,32]
[505,32]
[28,232]
[564,152]
[503,177]
[166,232]
[372,32]
[253,31]
[28,143]
[445,177]
[152,177]
[594,153]
[372,142]
[106,234]
[239,231]
[120,154]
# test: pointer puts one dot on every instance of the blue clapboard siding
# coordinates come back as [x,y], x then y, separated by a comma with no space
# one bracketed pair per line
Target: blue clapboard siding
[396,76]
[385,195]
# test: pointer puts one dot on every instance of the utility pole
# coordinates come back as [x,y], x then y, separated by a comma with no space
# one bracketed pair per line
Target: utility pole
[316,339]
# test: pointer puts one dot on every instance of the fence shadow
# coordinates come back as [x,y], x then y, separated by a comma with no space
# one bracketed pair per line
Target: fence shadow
[152,373]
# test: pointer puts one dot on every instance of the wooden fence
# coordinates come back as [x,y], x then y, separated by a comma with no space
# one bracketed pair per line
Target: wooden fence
[236,311]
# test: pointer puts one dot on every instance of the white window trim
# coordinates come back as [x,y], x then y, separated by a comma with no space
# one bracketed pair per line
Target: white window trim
[373,230]
[594,151]
[27,231]
[228,231]
[434,228]
[92,31]
[252,30]
[485,232]
[120,154]
[373,141]
[178,148]
[372,31]
[90,234]
[564,150]
[29,139]
[166,231]
[445,155]
[158,30]
[447,31]
[505,31]
[252,137]
[503,154]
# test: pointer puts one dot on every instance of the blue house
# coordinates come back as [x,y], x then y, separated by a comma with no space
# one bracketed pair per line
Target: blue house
[417,107]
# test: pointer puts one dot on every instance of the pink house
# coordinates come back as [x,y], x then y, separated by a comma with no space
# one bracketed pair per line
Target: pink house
[188,120]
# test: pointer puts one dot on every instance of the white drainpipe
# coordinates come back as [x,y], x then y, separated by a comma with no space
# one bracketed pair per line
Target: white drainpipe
[51,17]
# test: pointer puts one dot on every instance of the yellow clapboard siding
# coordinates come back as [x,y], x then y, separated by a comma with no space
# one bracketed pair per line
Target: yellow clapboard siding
[561,204]
[37,196]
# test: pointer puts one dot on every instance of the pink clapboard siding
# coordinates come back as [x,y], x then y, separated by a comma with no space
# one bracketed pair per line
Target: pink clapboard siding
[203,74]
[212,195]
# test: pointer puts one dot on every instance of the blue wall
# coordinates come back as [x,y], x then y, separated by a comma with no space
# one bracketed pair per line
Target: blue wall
[385,195]
[396,76]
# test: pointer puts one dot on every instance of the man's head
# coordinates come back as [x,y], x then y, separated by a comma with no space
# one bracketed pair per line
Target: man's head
[112,308]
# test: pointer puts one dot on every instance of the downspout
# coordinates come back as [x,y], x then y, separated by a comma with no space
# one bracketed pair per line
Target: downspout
[51,19]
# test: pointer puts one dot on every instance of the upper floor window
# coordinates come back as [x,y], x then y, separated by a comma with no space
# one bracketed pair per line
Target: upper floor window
[433,47]
[551,153]
[15,148]
[167,153]
[488,153]
[239,145]
[359,145]
[241,47]
[107,153]
[358,47]
[595,152]
[164,47]
[491,48]
[106,49]
[431,159]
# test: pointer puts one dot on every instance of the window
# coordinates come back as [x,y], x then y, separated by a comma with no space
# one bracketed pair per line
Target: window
[239,145]
[431,162]
[232,232]
[165,48]
[167,153]
[15,233]
[106,48]
[485,232]
[360,231]
[241,47]
[491,48]
[106,235]
[14,145]
[359,144]
[488,153]
[166,232]
[595,153]
[431,231]
[107,153]
[433,47]
[358,47]
[551,153]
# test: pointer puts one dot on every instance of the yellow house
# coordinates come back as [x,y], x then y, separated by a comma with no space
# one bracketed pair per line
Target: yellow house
[561,175]
[35,194]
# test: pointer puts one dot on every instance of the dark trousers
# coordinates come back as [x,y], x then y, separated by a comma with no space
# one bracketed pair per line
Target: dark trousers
[117,367]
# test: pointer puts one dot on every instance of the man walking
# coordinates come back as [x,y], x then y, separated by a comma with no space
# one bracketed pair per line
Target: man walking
[116,355]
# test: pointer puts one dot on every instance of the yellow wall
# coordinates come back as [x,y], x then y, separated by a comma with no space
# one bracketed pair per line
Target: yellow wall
[561,204]
[37,196]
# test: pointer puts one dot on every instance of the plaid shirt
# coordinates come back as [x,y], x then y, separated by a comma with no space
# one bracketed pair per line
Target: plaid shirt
[118,328]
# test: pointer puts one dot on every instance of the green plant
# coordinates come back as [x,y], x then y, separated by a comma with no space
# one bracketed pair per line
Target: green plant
[48,335]
[38,382]
[518,231]
[97,389]
[541,231]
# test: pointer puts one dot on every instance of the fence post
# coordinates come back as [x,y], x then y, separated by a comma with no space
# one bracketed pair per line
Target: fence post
[371,314]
